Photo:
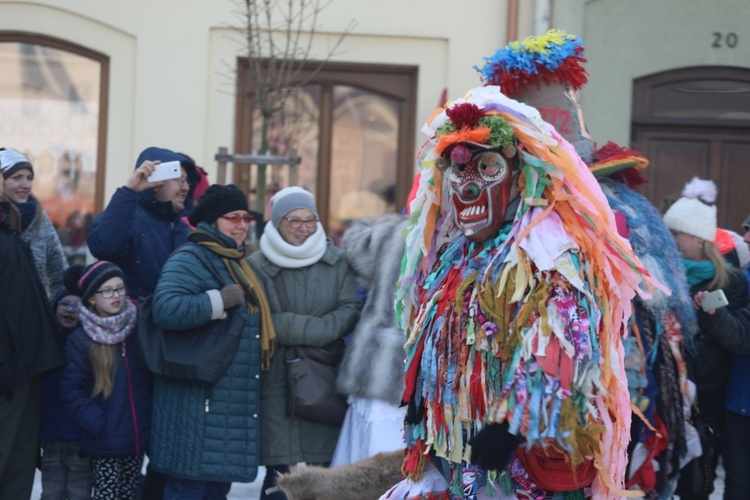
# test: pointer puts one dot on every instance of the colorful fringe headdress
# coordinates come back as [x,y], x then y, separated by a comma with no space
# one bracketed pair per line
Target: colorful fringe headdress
[556,188]
[557,58]
[553,57]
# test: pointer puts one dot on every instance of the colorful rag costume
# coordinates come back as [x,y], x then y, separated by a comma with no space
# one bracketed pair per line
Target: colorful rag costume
[546,72]
[522,326]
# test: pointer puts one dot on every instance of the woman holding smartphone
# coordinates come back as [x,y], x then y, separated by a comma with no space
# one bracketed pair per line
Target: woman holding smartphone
[692,221]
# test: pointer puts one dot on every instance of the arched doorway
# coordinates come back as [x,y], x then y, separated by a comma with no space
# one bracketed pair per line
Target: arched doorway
[696,122]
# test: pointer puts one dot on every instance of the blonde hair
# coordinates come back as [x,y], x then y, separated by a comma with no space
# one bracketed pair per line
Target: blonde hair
[104,365]
[721,276]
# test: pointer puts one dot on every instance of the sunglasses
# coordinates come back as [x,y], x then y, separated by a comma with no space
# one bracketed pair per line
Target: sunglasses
[236,218]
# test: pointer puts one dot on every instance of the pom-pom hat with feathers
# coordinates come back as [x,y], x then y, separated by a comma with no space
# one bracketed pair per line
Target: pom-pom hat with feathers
[694,213]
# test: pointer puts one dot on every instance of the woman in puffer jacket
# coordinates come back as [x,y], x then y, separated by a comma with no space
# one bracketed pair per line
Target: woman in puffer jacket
[205,436]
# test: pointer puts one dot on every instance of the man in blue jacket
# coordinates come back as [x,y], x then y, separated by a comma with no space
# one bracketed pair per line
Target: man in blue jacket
[142,226]
[139,230]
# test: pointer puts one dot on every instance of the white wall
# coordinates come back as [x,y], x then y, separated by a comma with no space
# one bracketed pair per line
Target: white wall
[173,61]
[625,40]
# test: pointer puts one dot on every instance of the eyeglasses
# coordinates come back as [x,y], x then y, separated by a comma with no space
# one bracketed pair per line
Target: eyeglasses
[70,306]
[182,182]
[297,223]
[110,292]
[236,218]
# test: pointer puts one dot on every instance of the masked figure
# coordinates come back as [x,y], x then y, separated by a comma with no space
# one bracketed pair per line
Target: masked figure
[514,294]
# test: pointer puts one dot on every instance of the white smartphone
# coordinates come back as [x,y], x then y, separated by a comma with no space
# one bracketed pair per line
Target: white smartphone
[165,171]
[714,300]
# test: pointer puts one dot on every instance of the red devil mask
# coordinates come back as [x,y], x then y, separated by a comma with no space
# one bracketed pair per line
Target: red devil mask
[481,181]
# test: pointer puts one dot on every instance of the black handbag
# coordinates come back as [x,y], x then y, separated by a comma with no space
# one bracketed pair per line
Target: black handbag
[311,374]
[697,476]
[199,355]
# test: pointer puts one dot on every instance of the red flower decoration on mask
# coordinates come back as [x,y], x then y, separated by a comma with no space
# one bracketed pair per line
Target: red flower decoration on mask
[465,115]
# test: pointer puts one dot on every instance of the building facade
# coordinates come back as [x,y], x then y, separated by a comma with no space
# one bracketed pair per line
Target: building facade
[85,86]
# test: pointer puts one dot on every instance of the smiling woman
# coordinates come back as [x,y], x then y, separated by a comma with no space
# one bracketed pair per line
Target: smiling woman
[313,301]
[36,226]
[193,294]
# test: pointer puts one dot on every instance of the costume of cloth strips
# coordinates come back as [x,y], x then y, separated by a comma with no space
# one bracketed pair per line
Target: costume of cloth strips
[515,291]
[656,370]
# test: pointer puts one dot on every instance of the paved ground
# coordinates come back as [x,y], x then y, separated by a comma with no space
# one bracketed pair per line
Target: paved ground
[251,491]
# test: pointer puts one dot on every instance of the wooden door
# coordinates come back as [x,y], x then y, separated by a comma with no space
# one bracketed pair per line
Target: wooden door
[677,154]
[696,122]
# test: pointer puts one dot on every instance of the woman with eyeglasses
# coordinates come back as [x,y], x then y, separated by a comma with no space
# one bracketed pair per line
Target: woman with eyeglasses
[104,386]
[314,302]
[205,437]
[36,227]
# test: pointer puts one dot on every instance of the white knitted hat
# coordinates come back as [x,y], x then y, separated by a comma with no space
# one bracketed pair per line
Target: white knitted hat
[694,213]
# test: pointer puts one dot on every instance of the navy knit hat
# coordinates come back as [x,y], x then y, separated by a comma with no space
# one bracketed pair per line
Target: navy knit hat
[58,296]
[289,199]
[217,201]
[85,281]
[11,161]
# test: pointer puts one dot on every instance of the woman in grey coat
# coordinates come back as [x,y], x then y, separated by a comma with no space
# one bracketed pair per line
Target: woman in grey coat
[297,261]
[36,226]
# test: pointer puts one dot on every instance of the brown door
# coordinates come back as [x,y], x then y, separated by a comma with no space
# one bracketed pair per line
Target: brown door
[352,126]
[696,122]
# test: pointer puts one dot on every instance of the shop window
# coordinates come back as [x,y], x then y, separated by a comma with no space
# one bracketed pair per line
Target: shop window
[53,103]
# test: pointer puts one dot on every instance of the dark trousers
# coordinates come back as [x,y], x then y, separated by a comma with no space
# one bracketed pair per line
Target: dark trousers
[19,439]
[272,474]
[153,484]
[735,454]
[188,489]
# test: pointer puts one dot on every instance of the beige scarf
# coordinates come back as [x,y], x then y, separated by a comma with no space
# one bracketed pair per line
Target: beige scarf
[243,275]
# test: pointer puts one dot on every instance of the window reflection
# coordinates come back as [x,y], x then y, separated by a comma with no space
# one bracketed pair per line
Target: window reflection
[292,132]
[363,156]
[49,101]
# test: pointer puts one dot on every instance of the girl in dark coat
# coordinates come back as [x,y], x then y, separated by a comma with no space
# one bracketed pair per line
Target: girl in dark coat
[692,221]
[103,386]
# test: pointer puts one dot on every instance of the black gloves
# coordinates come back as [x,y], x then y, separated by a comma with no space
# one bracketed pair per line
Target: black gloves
[493,446]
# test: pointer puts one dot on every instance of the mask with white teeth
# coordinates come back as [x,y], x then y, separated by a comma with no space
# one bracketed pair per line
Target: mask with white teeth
[481,180]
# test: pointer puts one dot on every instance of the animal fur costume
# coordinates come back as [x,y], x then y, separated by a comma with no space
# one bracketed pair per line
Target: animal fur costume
[521,330]
[656,371]
[366,479]
[373,364]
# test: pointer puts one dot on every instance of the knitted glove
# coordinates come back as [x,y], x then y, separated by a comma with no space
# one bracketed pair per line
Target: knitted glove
[232,295]
[493,446]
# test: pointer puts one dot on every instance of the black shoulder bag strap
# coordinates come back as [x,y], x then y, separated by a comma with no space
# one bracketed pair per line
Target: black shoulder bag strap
[200,254]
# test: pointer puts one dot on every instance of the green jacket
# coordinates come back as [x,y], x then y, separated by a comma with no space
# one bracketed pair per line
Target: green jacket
[326,308]
[205,432]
